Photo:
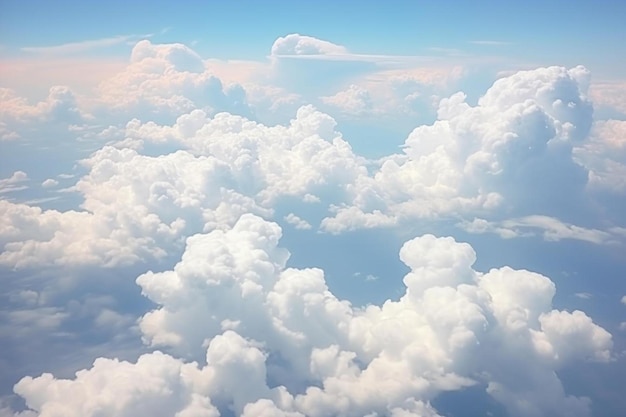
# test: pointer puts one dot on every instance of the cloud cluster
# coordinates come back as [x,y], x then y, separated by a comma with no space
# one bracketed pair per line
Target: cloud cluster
[296,44]
[17,116]
[137,206]
[168,80]
[521,132]
[273,340]
[243,333]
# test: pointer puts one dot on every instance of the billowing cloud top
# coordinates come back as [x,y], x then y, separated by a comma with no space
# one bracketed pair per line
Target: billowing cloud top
[296,44]
[453,328]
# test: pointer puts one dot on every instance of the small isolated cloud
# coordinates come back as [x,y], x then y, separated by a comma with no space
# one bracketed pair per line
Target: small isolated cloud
[624,300]
[310,198]
[297,45]
[370,277]
[366,277]
[50,183]
[297,222]
[583,295]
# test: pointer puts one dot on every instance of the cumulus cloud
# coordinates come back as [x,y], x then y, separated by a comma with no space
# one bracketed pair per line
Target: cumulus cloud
[262,322]
[136,206]
[297,222]
[244,333]
[171,79]
[609,95]
[296,44]
[353,101]
[522,131]
[524,127]
[60,106]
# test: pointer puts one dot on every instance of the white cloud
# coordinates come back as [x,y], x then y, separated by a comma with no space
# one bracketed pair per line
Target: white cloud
[135,206]
[521,130]
[324,356]
[231,304]
[296,44]
[49,183]
[297,222]
[170,80]
[624,299]
[60,105]
[11,184]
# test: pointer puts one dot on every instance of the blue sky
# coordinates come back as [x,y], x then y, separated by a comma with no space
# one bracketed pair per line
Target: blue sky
[312,209]
[548,32]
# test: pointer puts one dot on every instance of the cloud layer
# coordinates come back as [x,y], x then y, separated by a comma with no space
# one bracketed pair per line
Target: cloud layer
[193,168]
[274,338]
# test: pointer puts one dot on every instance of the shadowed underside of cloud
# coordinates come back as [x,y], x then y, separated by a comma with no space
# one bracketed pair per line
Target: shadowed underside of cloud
[265,339]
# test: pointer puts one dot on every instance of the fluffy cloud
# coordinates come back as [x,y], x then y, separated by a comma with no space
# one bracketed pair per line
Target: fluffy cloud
[271,340]
[296,44]
[136,206]
[53,114]
[231,303]
[297,222]
[521,132]
[169,79]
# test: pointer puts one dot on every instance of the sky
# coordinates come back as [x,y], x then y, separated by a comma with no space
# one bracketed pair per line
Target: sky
[312,209]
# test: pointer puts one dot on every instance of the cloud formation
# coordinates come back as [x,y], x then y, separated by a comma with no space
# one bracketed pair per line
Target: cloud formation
[521,132]
[296,44]
[276,339]
[186,162]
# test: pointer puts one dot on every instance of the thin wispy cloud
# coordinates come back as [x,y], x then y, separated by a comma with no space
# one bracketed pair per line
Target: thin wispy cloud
[74,48]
